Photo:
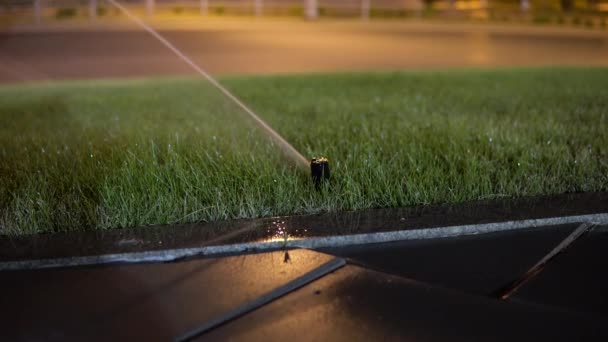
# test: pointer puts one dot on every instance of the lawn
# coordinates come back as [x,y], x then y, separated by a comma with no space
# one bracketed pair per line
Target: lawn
[124,153]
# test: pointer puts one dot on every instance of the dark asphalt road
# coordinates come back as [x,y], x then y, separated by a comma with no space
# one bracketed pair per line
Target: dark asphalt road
[278,47]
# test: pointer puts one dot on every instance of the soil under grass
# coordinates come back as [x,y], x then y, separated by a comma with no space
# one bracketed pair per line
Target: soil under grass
[109,154]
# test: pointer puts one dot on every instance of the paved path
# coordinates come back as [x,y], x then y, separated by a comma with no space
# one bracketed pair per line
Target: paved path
[432,290]
[245,46]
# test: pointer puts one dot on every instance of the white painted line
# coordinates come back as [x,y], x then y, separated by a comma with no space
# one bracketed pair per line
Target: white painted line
[311,243]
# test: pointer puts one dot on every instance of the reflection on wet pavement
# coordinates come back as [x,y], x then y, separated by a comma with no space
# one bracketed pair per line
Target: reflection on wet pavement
[435,290]
[140,302]
[355,304]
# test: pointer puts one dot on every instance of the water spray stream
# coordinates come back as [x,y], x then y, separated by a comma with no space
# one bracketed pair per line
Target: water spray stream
[289,150]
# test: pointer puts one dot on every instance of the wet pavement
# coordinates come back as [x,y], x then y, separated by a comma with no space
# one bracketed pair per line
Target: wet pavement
[355,304]
[262,47]
[478,264]
[434,290]
[147,302]
[577,279]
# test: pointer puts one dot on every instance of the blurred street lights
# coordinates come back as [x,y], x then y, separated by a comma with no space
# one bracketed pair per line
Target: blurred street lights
[150,7]
[204,7]
[312,11]
[92,9]
[365,4]
[38,11]
[258,7]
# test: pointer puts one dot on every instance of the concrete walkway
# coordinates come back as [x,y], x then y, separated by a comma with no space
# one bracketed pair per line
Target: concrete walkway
[434,290]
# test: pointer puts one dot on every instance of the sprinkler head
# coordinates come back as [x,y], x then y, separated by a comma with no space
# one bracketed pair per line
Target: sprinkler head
[319,170]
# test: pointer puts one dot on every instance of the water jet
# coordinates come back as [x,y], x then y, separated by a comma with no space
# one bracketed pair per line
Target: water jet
[319,166]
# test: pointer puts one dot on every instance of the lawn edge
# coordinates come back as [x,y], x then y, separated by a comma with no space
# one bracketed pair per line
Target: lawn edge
[170,255]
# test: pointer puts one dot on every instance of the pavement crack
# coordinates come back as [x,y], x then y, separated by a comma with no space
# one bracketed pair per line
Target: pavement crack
[511,288]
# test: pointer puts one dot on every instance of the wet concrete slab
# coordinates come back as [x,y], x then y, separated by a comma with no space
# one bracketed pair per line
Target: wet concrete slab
[145,302]
[338,223]
[575,279]
[480,264]
[355,304]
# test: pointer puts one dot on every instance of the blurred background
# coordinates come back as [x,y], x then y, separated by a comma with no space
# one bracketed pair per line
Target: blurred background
[582,13]
[39,37]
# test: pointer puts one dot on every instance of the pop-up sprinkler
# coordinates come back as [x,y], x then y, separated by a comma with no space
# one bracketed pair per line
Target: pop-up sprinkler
[319,170]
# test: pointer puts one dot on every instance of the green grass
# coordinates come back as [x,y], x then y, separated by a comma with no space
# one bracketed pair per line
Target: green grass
[109,154]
